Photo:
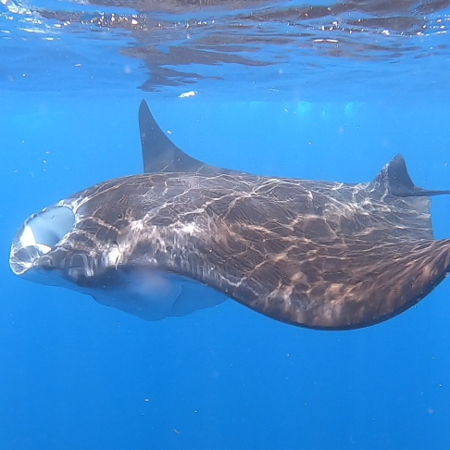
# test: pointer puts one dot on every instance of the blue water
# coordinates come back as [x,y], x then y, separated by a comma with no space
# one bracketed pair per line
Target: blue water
[77,375]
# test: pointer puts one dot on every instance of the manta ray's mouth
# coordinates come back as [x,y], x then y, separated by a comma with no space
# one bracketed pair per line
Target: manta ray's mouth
[38,236]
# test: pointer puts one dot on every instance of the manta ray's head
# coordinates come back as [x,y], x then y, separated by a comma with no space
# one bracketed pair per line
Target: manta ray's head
[96,243]
[46,248]
[38,238]
[74,243]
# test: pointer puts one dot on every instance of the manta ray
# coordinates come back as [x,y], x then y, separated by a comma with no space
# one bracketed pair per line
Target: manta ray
[185,235]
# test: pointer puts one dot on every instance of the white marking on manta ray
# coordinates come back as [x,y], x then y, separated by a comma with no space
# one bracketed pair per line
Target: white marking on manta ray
[189,229]
[113,256]
[155,295]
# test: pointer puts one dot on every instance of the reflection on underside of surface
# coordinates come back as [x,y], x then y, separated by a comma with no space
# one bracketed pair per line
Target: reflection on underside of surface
[279,43]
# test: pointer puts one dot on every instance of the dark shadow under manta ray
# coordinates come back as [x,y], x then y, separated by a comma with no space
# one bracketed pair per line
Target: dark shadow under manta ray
[323,255]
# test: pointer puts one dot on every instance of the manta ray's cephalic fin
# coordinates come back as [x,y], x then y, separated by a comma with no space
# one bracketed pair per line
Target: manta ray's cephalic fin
[160,154]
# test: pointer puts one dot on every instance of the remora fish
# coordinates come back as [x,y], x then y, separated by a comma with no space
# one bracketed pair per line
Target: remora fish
[186,235]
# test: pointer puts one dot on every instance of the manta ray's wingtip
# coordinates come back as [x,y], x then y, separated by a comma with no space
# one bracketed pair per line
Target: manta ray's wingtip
[143,107]
[160,154]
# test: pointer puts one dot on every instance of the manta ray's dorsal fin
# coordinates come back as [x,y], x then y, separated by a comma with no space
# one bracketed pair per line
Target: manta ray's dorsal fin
[160,154]
[394,179]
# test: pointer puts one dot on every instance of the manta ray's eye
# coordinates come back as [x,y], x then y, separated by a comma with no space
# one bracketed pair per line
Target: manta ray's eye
[120,216]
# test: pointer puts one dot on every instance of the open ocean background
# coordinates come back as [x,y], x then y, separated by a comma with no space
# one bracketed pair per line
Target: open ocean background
[278,93]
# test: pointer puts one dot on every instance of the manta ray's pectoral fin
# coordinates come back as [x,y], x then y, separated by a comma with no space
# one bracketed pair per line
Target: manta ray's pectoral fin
[160,154]
[395,180]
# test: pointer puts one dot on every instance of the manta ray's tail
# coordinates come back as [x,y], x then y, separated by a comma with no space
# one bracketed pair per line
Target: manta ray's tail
[395,180]
[394,185]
